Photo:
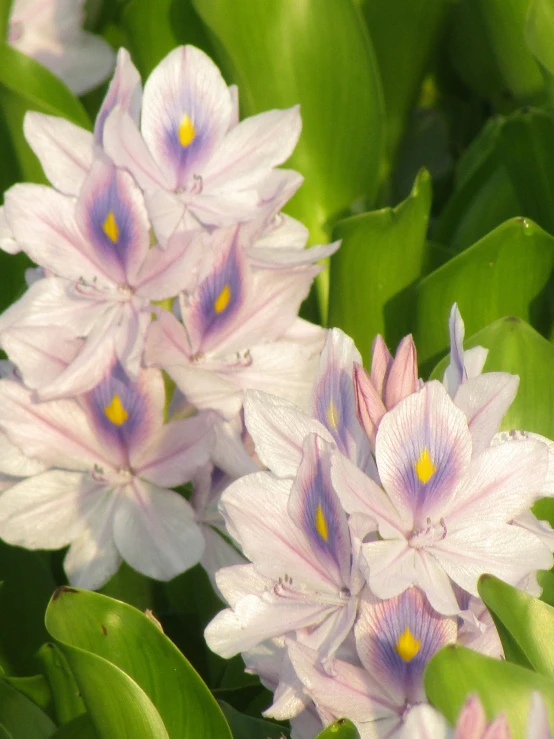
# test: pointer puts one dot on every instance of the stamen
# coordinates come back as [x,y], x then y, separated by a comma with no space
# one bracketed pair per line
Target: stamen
[115,412]
[407,645]
[321,523]
[424,467]
[187,132]
[222,300]
[110,227]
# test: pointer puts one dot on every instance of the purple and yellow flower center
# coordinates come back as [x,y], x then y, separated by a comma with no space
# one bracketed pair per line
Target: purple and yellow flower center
[407,645]
[332,415]
[111,228]
[115,411]
[424,467]
[321,524]
[222,300]
[186,131]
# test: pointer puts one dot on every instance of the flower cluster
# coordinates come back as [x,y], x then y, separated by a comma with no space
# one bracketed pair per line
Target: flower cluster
[160,246]
[380,509]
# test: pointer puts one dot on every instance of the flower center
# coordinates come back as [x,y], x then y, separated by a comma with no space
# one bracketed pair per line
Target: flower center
[430,534]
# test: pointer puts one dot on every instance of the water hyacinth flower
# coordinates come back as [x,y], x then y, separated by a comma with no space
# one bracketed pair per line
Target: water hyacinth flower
[395,639]
[104,276]
[191,156]
[51,31]
[110,461]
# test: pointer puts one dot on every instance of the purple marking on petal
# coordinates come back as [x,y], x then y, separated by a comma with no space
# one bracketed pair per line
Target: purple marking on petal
[131,403]
[112,215]
[316,509]
[379,631]
[220,295]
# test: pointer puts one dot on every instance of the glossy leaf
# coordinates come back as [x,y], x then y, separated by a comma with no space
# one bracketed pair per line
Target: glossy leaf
[404,35]
[28,586]
[481,280]
[119,633]
[383,252]
[516,347]
[20,717]
[526,148]
[247,727]
[79,728]
[319,55]
[68,704]
[488,50]
[154,29]
[341,729]
[455,672]
[528,621]
[539,30]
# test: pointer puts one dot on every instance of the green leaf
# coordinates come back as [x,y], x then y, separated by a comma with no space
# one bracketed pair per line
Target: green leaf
[247,727]
[80,728]
[527,620]
[526,148]
[539,31]
[481,280]
[35,688]
[5,10]
[381,255]
[404,36]
[65,692]
[119,633]
[341,729]
[155,29]
[20,717]
[546,578]
[455,672]
[319,55]
[517,348]
[488,50]
[28,586]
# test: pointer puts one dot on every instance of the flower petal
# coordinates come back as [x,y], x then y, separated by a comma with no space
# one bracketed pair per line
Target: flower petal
[125,90]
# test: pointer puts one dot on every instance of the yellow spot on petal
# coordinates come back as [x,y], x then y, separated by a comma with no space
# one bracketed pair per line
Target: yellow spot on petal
[332,415]
[222,300]
[110,227]
[424,467]
[407,645]
[187,131]
[115,412]
[321,523]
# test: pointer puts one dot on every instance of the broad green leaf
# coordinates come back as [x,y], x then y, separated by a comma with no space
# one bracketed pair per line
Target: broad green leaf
[317,54]
[5,10]
[539,31]
[126,637]
[546,578]
[482,279]
[156,28]
[528,621]
[404,35]
[341,729]
[20,717]
[382,253]
[516,347]
[28,586]
[454,672]
[4,733]
[68,704]
[36,688]
[247,727]
[526,148]
[488,50]
[80,728]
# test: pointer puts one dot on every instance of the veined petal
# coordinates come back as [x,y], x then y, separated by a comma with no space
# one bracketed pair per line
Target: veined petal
[125,90]
[155,531]
[186,111]
[253,148]
[392,567]
[333,401]
[370,407]
[455,374]
[169,270]
[423,449]
[112,216]
[16,464]
[315,507]
[425,722]
[49,510]
[395,639]
[64,149]
[381,361]
[402,376]
[485,400]
[278,429]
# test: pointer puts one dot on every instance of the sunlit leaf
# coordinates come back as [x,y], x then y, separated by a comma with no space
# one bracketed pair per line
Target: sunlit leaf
[341,729]
[68,704]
